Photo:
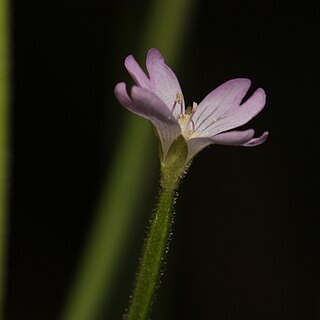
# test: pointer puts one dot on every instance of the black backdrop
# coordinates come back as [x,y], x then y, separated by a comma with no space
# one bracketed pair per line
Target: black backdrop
[247,240]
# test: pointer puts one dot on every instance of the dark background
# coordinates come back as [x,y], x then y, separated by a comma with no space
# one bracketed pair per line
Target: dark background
[246,242]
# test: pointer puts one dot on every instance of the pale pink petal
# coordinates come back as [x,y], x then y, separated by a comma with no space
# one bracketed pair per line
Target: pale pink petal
[167,134]
[147,105]
[120,91]
[233,138]
[195,146]
[257,141]
[152,107]
[219,102]
[164,81]
[136,72]
[230,138]
[238,117]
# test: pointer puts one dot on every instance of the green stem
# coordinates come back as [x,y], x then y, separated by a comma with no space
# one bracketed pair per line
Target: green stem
[173,168]
[4,108]
[154,253]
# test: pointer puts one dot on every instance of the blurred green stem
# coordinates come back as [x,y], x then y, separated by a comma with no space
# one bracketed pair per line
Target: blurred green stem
[4,127]
[164,29]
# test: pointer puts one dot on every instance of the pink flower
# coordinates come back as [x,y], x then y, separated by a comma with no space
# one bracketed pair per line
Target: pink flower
[159,99]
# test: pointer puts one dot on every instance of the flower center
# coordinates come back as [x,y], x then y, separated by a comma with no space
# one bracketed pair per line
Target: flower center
[186,123]
[185,119]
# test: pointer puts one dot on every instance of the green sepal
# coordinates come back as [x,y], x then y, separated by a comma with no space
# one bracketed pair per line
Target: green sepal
[174,165]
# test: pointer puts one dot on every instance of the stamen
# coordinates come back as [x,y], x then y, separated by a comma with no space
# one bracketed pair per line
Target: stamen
[187,124]
[194,107]
[188,111]
[179,100]
[179,97]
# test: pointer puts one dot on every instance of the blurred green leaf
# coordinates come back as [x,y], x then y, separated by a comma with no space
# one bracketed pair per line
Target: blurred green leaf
[4,127]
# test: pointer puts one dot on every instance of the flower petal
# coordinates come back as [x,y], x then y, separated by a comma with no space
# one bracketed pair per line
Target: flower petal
[144,103]
[231,138]
[220,101]
[120,91]
[257,141]
[147,105]
[152,107]
[162,117]
[167,135]
[137,74]
[164,81]
[195,145]
[238,116]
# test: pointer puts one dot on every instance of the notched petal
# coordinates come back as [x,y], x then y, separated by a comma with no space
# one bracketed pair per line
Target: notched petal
[239,116]
[136,72]
[220,102]
[163,80]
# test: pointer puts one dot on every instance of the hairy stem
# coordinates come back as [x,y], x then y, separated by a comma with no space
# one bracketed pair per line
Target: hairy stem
[154,253]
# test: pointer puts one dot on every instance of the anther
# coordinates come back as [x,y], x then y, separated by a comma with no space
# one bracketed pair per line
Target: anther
[194,107]
[179,98]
